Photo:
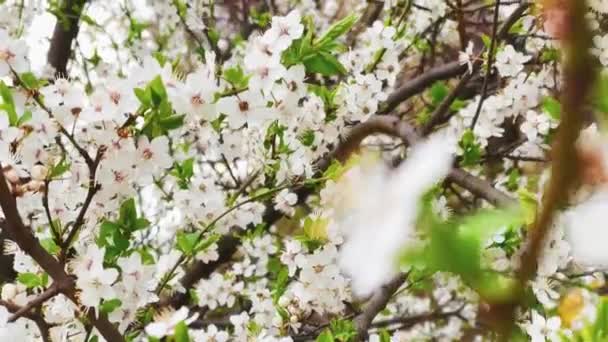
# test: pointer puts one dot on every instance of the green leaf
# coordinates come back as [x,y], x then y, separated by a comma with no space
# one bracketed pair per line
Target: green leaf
[325,336]
[147,258]
[181,332]
[115,238]
[186,242]
[135,30]
[528,203]
[307,138]
[485,223]
[471,149]
[144,96]
[457,105]
[87,19]
[517,28]
[336,30]
[496,288]
[438,92]
[106,232]
[261,19]
[172,122]
[334,171]
[214,36]
[600,330]
[160,57]
[110,305]
[183,172]
[206,243]
[385,336]
[30,81]
[293,55]
[27,116]
[281,273]
[31,280]
[141,223]
[128,213]
[600,96]
[236,77]
[50,246]
[325,64]
[304,45]
[8,105]
[456,246]
[552,107]
[550,55]
[158,91]
[513,180]
[62,167]
[343,330]
[328,95]
[487,41]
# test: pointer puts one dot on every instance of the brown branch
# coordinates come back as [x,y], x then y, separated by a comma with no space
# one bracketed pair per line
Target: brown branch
[66,30]
[490,65]
[578,80]
[370,14]
[439,115]
[420,83]
[36,302]
[579,74]
[227,246]
[393,126]
[376,304]
[35,317]
[30,245]
[93,188]
[410,321]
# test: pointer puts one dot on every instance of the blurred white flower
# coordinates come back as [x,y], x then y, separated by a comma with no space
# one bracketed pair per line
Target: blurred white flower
[380,209]
[586,231]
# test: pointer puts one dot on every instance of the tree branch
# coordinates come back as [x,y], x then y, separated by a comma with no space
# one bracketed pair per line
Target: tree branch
[36,302]
[30,245]
[393,126]
[579,73]
[227,246]
[420,83]
[66,30]
[370,14]
[376,304]
[410,321]
[35,317]
[439,115]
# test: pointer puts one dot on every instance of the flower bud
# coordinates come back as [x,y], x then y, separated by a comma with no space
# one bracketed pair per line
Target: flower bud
[11,175]
[39,172]
[9,291]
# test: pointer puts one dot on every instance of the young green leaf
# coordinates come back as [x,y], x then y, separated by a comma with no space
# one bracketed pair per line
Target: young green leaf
[181,332]
[186,242]
[552,107]
[336,30]
[325,64]
[8,105]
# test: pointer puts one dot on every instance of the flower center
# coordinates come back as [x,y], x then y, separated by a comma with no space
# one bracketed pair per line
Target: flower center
[243,106]
[115,97]
[6,55]
[197,100]
[147,153]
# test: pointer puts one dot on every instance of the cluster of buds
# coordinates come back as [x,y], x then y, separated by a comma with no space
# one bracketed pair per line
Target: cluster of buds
[21,185]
